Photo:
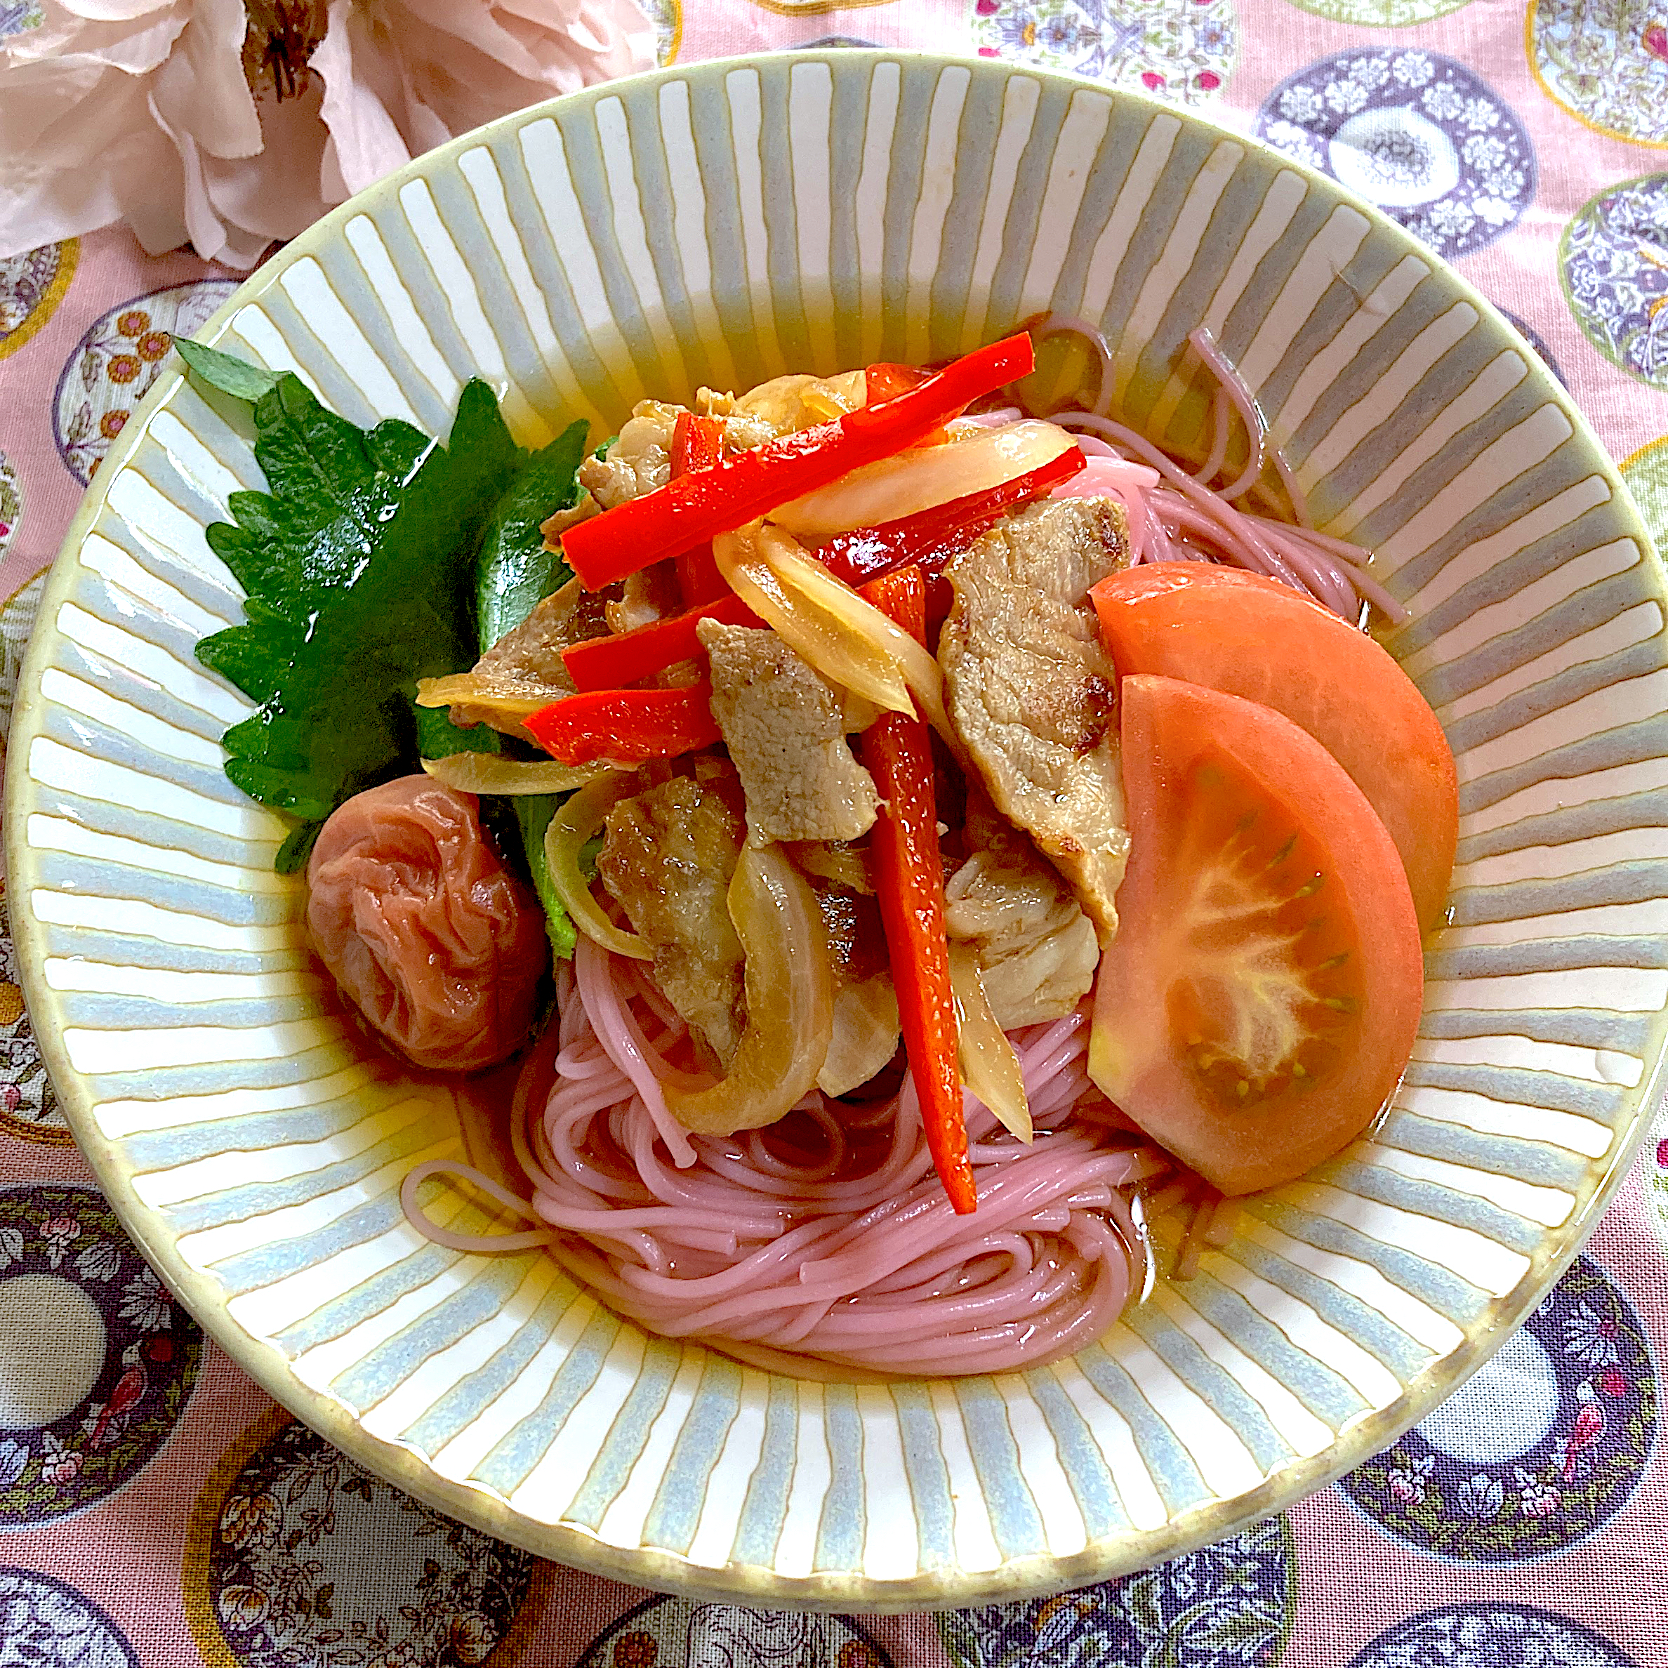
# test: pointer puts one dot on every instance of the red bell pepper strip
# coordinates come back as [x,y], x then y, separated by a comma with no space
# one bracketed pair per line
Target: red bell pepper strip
[940,600]
[930,537]
[885,381]
[697,443]
[613,662]
[909,885]
[690,510]
[625,726]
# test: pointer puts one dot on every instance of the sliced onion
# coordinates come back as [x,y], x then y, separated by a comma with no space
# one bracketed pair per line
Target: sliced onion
[797,400]
[790,1001]
[860,623]
[864,1035]
[493,773]
[919,479]
[840,655]
[513,700]
[579,819]
[989,1066]
[834,861]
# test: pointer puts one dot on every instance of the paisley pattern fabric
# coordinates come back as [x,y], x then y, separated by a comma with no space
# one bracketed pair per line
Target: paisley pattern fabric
[1539,1449]
[1420,135]
[155,1507]
[1604,61]
[1181,50]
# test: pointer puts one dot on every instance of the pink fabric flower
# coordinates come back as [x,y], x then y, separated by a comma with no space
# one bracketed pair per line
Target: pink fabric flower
[140,110]
[58,1234]
[64,1470]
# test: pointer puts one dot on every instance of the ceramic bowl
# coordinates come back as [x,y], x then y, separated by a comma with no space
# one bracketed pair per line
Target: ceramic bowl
[721,224]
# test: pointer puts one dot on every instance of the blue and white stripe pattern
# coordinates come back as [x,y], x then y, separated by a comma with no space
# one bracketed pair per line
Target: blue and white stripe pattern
[721,225]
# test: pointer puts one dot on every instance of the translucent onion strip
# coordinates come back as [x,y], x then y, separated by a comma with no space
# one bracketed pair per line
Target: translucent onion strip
[864,1038]
[579,820]
[805,578]
[989,1066]
[493,773]
[513,701]
[976,457]
[821,641]
[789,978]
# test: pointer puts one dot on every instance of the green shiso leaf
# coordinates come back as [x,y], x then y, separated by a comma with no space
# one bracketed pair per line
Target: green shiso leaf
[375,558]
[438,736]
[514,571]
[355,563]
[225,371]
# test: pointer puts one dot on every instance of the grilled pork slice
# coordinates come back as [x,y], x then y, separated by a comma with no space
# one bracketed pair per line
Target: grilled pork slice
[1036,949]
[668,856]
[523,670]
[1033,695]
[784,725]
[639,461]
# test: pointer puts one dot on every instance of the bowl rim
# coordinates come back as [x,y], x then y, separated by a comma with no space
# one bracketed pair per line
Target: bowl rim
[399,1464]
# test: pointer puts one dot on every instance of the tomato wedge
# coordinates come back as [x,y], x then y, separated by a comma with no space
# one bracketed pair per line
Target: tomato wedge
[1261,998]
[1247,635]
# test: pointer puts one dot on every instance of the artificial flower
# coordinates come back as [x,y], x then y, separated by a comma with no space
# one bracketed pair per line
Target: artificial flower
[229,126]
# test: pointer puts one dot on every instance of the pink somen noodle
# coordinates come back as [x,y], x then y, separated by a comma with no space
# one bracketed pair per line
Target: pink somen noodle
[1174,516]
[827,1234]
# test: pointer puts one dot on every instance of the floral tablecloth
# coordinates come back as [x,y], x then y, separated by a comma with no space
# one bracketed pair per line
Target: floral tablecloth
[157,1509]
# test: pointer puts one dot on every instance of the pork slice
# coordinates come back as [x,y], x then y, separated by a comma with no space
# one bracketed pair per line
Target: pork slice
[1036,949]
[1031,692]
[668,856]
[784,725]
[523,670]
[639,461]
[646,597]
[532,651]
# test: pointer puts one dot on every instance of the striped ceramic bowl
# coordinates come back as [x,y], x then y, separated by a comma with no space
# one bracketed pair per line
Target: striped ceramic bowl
[722,224]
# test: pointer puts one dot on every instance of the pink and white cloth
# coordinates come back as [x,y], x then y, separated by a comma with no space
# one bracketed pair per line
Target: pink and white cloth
[157,1509]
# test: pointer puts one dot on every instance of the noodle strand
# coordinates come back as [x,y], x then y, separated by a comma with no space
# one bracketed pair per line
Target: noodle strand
[827,1234]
